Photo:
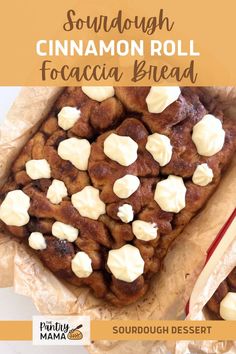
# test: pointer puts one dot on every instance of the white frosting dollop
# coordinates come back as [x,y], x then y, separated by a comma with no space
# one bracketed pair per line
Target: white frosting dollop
[37,241]
[37,169]
[121,149]
[75,150]
[68,116]
[125,263]
[160,97]
[170,194]
[125,186]
[203,175]
[57,191]
[64,231]
[228,307]
[160,148]
[88,203]
[98,93]
[144,230]
[125,213]
[14,208]
[81,265]
[208,135]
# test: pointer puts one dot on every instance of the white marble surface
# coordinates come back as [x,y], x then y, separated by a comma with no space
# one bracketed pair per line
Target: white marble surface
[13,306]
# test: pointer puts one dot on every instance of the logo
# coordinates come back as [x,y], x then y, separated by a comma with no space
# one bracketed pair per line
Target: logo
[61,330]
[75,334]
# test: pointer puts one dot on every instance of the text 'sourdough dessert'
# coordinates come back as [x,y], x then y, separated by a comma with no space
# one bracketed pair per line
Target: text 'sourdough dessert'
[111,179]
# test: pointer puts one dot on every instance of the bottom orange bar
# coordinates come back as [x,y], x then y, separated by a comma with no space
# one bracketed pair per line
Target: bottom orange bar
[136,330]
[15,330]
[163,330]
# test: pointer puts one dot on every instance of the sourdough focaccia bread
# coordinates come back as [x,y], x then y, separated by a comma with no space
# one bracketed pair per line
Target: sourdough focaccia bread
[222,304]
[111,178]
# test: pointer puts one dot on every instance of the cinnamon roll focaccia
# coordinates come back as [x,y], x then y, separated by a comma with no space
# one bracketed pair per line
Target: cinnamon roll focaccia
[111,178]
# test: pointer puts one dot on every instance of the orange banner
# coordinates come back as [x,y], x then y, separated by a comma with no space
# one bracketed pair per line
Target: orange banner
[63,43]
[163,330]
[136,330]
[15,330]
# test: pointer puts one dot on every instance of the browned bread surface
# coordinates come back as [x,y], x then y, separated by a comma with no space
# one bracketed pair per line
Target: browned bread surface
[126,114]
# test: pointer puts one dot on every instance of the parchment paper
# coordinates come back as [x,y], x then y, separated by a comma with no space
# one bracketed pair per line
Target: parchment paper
[170,289]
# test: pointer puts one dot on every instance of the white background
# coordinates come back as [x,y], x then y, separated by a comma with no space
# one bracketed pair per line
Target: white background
[16,307]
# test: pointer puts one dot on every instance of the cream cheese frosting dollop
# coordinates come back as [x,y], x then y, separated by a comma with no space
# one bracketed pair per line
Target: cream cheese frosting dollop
[81,265]
[68,116]
[125,186]
[203,175]
[160,97]
[125,213]
[64,231]
[14,208]
[37,169]
[228,307]
[88,203]
[75,150]
[170,194]
[37,241]
[121,149]
[98,93]
[208,135]
[56,191]
[160,148]
[125,263]
[144,230]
